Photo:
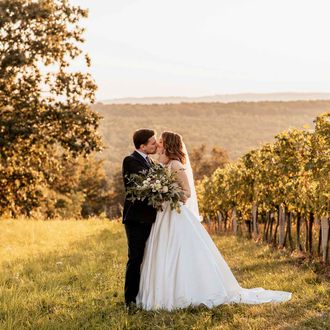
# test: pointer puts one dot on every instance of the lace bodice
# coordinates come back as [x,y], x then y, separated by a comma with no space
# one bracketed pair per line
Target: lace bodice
[178,168]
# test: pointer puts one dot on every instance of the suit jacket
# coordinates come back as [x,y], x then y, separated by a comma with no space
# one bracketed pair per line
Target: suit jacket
[137,212]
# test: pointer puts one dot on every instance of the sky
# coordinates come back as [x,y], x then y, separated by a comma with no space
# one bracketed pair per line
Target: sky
[143,48]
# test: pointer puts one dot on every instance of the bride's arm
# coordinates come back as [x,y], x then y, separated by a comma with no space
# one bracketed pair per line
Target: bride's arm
[181,175]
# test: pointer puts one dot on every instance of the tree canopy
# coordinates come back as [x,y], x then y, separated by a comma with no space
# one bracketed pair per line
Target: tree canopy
[44,104]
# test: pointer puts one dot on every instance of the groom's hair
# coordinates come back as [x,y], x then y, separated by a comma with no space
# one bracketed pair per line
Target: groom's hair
[141,136]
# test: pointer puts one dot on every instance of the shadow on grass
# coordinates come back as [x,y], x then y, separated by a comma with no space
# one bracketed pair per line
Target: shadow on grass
[263,266]
[81,287]
[320,322]
[85,291]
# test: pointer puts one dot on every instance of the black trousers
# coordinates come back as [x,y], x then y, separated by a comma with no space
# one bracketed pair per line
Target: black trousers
[137,235]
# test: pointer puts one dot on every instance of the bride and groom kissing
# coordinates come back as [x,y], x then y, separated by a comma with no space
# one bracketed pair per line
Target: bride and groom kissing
[172,260]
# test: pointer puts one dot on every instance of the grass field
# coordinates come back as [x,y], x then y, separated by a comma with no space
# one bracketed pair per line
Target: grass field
[69,275]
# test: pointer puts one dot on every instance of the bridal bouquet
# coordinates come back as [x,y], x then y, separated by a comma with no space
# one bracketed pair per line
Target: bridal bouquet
[158,185]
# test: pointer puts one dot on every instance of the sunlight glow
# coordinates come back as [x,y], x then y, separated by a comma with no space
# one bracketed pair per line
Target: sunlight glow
[194,47]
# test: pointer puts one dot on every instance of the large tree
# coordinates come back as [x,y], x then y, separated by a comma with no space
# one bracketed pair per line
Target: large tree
[44,104]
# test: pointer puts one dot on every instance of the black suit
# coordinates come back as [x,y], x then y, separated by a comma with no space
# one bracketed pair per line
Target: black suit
[138,218]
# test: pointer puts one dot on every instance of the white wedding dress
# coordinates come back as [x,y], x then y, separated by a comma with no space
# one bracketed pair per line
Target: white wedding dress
[182,266]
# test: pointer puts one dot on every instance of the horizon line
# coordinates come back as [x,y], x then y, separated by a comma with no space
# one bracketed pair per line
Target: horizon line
[240,94]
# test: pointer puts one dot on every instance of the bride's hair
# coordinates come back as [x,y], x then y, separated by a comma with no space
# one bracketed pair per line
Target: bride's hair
[173,146]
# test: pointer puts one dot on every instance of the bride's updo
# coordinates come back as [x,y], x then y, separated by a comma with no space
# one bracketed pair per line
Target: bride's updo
[173,146]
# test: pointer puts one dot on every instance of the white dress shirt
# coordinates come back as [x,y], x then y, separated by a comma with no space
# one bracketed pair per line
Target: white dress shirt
[143,155]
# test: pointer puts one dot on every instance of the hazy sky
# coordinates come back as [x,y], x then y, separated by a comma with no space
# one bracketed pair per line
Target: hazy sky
[206,47]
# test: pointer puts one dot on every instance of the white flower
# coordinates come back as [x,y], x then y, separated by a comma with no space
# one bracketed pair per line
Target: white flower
[158,186]
[157,181]
[165,189]
[148,179]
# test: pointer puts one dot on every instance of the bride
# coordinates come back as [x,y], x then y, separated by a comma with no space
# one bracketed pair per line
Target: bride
[182,266]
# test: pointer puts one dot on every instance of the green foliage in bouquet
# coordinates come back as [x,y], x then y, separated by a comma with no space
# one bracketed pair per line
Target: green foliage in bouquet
[158,185]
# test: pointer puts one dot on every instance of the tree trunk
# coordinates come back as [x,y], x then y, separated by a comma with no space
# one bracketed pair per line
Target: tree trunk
[249,227]
[298,231]
[208,222]
[240,226]
[276,227]
[234,215]
[288,236]
[266,227]
[289,231]
[271,227]
[307,234]
[286,229]
[282,226]
[325,228]
[320,240]
[219,218]
[328,247]
[255,219]
[285,235]
[311,220]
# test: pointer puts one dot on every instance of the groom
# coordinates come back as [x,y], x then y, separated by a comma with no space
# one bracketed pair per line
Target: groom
[138,217]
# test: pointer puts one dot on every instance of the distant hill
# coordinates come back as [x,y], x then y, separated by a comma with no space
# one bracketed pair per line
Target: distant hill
[247,97]
[237,127]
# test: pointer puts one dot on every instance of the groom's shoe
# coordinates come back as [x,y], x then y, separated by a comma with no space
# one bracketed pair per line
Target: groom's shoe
[131,308]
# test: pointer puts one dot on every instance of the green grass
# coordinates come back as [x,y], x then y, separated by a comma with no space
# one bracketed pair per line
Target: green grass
[70,275]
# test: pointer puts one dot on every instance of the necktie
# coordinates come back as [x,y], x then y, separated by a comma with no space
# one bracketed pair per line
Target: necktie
[148,160]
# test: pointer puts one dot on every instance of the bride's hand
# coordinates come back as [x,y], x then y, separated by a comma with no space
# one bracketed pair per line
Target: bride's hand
[184,199]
